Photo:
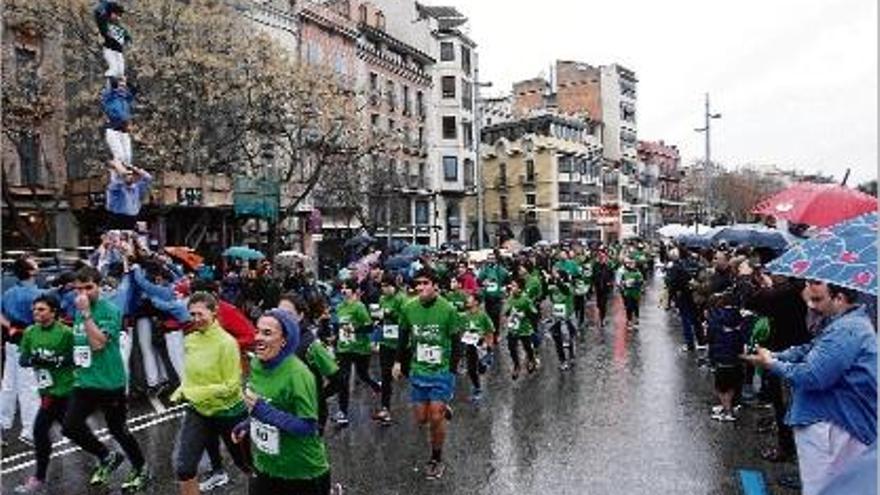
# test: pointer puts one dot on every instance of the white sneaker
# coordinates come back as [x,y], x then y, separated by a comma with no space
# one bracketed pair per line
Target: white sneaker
[215,479]
[724,417]
[717,409]
[340,418]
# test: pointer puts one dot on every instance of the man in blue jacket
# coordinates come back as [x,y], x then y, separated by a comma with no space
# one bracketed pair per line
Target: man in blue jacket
[116,101]
[125,192]
[834,386]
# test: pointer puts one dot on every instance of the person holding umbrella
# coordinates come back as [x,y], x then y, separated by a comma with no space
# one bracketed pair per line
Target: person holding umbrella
[834,386]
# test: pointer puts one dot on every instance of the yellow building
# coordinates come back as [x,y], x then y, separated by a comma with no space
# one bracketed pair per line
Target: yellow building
[541,179]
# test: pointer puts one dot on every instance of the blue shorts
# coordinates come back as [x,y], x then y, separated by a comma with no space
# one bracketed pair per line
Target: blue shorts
[432,388]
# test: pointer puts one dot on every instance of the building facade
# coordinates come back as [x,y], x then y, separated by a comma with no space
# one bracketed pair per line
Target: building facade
[661,163]
[541,177]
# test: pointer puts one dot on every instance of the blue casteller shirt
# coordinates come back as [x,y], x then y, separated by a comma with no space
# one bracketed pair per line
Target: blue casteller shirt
[834,377]
[125,199]
[17,302]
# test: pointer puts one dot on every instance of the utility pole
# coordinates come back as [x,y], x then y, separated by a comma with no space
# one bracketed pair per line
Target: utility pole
[707,128]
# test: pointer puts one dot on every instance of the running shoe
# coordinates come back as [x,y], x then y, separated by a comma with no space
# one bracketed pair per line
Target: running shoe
[435,469]
[724,417]
[476,395]
[448,412]
[340,418]
[31,485]
[564,367]
[214,479]
[515,373]
[105,468]
[383,416]
[136,480]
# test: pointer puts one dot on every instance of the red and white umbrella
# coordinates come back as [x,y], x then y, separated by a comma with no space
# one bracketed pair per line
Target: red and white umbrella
[821,205]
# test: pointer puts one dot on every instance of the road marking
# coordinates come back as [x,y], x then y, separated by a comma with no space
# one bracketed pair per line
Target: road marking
[129,422]
[102,438]
[752,482]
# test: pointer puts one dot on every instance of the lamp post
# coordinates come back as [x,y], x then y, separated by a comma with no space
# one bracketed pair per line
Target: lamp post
[707,128]
[478,165]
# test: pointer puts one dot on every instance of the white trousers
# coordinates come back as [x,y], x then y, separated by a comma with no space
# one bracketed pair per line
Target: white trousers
[824,450]
[115,63]
[19,388]
[174,344]
[120,145]
[154,368]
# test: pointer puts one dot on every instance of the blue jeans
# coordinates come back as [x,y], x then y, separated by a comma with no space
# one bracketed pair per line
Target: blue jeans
[688,314]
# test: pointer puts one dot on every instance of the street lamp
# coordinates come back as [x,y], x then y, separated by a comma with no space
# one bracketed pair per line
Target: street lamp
[707,128]
[478,166]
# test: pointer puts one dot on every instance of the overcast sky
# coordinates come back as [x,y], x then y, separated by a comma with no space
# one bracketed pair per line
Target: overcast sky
[795,80]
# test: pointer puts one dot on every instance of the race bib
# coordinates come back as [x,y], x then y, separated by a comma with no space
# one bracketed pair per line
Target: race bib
[376,312]
[346,334]
[513,323]
[492,286]
[430,354]
[82,356]
[559,310]
[580,289]
[265,437]
[629,284]
[470,338]
[390,331]
[44,378]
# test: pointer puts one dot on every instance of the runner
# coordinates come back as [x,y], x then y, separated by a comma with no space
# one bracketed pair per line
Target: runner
[478,338]
[211,387]
[289,455]
[429,324]
[391,303]
[518,313]
[632,284]
[353,346]
[312,352]
[47,346]
[493,278]
[603,284]
[563,331]
[100,384]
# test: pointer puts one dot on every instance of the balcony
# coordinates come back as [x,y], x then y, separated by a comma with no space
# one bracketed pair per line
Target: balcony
[501,182]
[527,180]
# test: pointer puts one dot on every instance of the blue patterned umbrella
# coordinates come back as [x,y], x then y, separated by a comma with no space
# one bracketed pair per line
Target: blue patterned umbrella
[243,252]
[845,255]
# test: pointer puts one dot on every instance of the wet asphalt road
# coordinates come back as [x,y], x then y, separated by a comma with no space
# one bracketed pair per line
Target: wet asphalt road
[632,417]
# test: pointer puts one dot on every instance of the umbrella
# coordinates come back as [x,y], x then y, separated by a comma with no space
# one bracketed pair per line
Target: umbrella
[674,230]
[398,263]
[822,205]
[185,255]
[693,241]
[845,255]
[244,253]
[754,235]
[291,254]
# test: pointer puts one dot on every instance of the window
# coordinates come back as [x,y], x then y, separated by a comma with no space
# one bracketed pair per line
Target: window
[503,205]
[502,173]
[341,67]
[391,94]
[380,21]
[420,104]
[374,81]
[469,173]
[449,130]
[374,121]
[421,136]
[530,170]
[565,164]
[466,59]
[391,126]
[531,199]
[450,168]
[447,84]
[467,132]
[447,51]
[407,108]
[422,212]
[29,156]
[467,95]
[423,174]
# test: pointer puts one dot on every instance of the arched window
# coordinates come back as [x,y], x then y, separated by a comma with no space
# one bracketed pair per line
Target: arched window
[362,13]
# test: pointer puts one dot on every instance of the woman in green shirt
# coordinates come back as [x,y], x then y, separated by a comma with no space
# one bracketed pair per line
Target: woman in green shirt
[47,346]
[518,313]
[282,397]
[478,338]
[353,346]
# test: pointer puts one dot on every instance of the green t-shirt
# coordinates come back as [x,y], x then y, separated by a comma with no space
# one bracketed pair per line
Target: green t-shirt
[475,325]
[493,277]
[391,306]
[431,331]
[518,310]
[319,357]
[289,387]
[534,286]
[563,302]
[99,368]
[632,282]
[53,346]
[457,298]
[352,317]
